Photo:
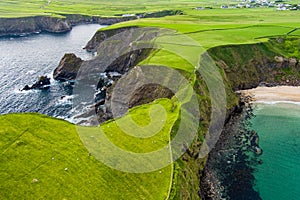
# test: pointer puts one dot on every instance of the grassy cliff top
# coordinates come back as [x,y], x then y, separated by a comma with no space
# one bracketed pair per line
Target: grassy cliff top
[218,27]
[44,158]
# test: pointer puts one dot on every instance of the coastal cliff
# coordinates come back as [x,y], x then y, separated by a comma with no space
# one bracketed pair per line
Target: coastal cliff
[64,22]
[108,72]
[27,25]
[242,66]
[272,63]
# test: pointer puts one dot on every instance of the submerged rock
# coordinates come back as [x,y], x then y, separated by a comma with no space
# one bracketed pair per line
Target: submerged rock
[67,68]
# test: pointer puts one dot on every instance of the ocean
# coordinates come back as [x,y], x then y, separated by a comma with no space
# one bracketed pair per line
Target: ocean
[24,59]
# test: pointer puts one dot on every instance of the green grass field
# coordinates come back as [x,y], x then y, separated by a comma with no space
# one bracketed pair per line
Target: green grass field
[21,8]
[44,158]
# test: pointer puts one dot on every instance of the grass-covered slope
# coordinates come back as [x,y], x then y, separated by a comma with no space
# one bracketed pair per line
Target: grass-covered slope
[44,158]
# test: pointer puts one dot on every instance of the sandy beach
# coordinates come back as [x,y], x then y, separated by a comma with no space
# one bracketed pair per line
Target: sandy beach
[270,94]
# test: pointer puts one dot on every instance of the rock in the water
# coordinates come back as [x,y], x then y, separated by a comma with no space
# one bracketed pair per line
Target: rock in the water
[42,83]
[68,67]
[258,150]
[27,87]
[254,139]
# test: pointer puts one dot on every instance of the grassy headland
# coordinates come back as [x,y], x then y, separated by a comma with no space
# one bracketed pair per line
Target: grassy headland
[43,157]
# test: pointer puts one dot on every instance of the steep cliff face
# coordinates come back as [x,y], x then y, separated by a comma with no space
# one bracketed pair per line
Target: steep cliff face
[101,35]
[27,25]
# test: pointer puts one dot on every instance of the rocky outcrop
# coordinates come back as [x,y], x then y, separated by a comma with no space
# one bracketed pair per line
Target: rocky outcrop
[227,174]
[42,83]
[101,35]
[67,68]
[116,55]
[27,25]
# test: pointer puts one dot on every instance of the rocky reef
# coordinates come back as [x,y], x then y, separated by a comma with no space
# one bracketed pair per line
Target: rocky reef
[43,82]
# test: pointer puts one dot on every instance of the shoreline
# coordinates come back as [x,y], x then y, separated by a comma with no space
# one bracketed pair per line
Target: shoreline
[272,95]
[231,153]
[228,173]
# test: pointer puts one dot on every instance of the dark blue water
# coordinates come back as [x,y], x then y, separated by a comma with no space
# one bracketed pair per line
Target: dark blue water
[24,59]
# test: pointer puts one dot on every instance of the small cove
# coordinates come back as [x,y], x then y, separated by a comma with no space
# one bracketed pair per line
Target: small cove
[235,171]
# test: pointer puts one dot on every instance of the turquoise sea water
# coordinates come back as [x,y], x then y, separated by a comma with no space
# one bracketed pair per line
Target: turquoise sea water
[278,127]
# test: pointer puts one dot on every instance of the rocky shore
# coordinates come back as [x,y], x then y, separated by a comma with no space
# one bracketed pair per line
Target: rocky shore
[228,172]
[106,73]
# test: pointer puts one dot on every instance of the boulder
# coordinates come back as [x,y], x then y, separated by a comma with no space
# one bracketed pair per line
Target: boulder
[67,68]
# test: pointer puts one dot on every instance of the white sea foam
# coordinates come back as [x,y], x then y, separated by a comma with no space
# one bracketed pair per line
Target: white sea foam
[19,91]
[65,100]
